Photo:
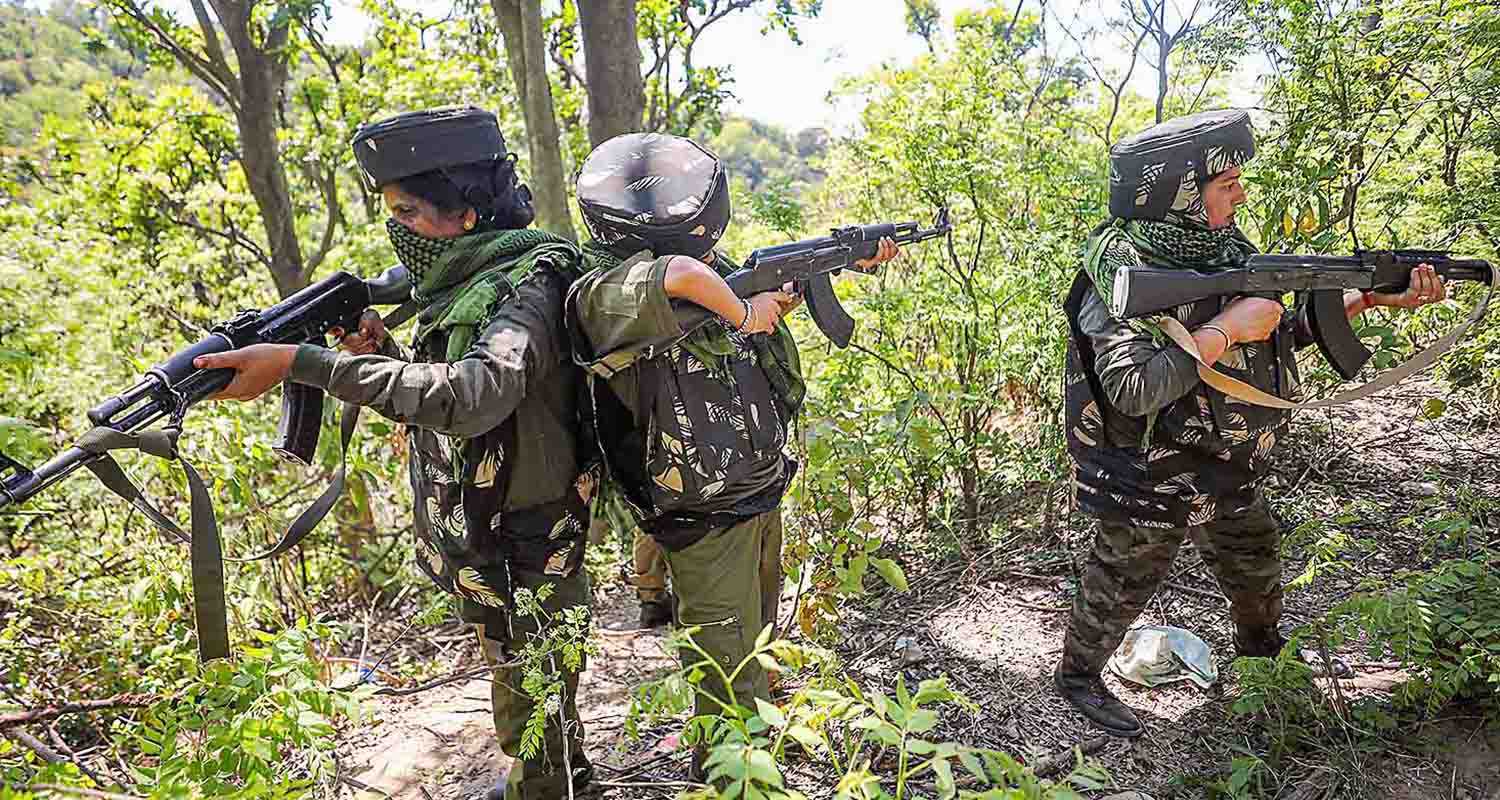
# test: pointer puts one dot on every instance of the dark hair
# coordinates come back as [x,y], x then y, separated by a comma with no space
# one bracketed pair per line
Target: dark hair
[490,188]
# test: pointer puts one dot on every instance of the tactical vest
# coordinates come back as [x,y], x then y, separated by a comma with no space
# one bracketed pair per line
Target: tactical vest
[467,538]
[1196,457]
[702,446]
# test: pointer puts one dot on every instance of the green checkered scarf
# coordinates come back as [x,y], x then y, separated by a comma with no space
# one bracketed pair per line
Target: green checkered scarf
[1163,245]
[463,279]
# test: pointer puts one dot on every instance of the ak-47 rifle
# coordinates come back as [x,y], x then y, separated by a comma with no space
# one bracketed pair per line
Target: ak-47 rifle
[172,387]
[811,263]
[1139,291]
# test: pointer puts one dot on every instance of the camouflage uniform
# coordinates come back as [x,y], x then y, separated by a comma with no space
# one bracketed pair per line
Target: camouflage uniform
[708,479]
[1128,562]
[501,501]
[1159,456]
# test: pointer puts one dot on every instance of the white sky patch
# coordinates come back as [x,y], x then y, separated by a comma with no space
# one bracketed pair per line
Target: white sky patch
[789,85]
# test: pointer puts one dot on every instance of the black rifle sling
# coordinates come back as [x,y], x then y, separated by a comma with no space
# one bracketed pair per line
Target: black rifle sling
[1082,285]
[204,544]
[313,514]
[204,548]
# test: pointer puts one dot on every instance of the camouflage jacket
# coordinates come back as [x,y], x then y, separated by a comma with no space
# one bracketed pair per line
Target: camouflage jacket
[1151,444]
[493,439]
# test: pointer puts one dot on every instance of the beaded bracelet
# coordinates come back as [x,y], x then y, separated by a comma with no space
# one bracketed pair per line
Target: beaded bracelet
[745,323]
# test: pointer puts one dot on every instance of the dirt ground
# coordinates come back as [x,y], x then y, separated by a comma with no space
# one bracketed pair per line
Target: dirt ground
[993,624]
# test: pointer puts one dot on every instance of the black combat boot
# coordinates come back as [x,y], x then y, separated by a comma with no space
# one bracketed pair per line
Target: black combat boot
[1265,641]
[1087,694]
[656,613]
[1257,641]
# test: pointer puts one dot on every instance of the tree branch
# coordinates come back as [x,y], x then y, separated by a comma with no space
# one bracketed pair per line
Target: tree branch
[202,70]
[329,184]
[233,237]
[211,43]
[568,67]
[52,712]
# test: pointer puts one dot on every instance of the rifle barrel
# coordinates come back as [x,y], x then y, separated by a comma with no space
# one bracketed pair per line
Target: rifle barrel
[23,486]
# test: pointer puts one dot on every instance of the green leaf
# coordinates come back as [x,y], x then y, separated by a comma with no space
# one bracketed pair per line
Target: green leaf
[892,573]
[765,636]
[946,787]
[770,713]
[921,747]
[966,757]
[806,737]
[762,768]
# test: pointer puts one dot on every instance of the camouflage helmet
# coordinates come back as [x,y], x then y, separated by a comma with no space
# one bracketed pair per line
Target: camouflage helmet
[654,191]
[1159,173]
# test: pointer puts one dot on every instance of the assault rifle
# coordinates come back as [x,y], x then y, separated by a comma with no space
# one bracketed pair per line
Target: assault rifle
[810,264]
[170,388]
[1139,291]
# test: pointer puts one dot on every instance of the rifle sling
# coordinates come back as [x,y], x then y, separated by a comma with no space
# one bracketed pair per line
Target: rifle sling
[1245,392]
[204,547]
[313,514]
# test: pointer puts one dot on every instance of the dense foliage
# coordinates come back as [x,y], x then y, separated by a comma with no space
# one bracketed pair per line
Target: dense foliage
[127,227]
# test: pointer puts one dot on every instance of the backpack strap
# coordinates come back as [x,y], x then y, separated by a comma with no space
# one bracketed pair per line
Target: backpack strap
[1072,307]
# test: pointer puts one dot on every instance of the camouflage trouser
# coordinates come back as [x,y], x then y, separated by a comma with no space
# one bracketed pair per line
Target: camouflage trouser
[500,639]
[728,583]
[1128,563]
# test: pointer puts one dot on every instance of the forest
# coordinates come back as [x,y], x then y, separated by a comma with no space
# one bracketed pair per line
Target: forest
[165,166]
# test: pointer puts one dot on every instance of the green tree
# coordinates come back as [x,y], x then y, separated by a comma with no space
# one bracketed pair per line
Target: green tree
[924,19]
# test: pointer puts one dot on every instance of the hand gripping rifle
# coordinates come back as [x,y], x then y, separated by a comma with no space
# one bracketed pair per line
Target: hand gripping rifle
[1139,291]
[170,388]
[810,264]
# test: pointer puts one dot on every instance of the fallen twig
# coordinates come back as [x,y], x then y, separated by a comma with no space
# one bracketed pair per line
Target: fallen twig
[362,786]
[1033,607]
[37,746]
[646,784]
[1064,760]
[44,714]
[466,675]
[43,788]
[1217,596]
[636,769]
[70,754]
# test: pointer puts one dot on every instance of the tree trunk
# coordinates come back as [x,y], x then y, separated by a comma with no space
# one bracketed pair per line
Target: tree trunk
[262,75]
[525,51]
[612,66]
[260,157]
[1163,51]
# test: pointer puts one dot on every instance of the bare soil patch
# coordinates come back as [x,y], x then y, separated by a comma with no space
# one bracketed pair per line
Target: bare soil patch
[993,624]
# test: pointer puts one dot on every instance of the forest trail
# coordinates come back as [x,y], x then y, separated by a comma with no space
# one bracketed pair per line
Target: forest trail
[440,743]
[993,623]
